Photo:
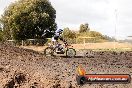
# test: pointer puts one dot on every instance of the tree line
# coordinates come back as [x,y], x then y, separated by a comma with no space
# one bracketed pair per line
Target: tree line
[28,19]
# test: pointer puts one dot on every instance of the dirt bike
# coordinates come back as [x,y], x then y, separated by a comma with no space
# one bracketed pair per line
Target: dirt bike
[66,49]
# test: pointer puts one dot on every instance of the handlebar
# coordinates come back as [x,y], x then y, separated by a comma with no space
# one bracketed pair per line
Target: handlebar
[66,44]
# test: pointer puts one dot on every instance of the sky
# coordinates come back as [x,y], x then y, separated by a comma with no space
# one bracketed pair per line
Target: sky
[110,17]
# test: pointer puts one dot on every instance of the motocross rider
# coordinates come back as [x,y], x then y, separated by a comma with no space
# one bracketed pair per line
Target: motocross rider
[56,37]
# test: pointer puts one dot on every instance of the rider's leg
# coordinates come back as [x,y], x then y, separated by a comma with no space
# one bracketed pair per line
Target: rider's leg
[53,42]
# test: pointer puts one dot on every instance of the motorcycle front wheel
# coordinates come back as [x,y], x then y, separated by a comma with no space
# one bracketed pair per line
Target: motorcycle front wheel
[70,52]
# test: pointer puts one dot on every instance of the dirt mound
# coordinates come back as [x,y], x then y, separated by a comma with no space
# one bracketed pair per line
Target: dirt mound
[22,68]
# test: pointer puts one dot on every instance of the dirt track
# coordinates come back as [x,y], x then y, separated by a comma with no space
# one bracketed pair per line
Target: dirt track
[22,68]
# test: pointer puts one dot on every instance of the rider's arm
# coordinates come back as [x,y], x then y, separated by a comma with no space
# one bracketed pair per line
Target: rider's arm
[62,39]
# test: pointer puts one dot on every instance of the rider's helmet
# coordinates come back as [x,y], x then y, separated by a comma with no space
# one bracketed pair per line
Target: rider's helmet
[59,31]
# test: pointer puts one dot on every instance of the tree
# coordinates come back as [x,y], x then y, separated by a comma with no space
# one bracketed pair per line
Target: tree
[68,34]
[96,34]
[84,28]
[26,19]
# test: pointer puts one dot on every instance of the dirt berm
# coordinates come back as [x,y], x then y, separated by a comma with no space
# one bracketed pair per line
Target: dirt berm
[22,68]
